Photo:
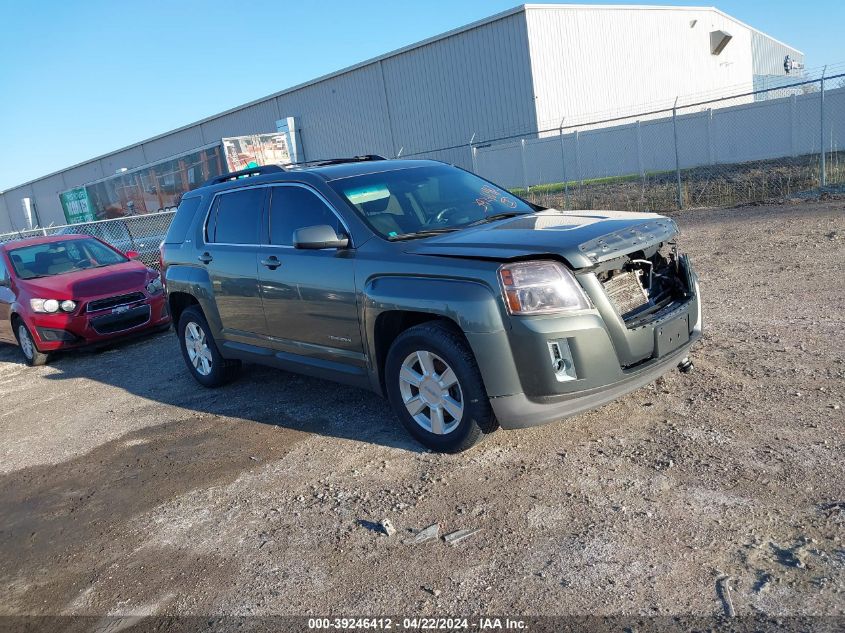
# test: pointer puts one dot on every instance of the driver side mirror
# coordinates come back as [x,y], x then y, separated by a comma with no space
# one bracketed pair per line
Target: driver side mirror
[132,254]
[318,237]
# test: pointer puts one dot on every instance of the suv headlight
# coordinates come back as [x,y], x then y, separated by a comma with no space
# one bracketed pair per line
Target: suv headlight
[154,287]
[541,287]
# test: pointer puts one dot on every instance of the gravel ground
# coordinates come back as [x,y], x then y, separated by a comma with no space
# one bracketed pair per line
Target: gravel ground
[127,489]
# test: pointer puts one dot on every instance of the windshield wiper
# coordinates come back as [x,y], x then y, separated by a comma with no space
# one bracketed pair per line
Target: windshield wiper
[424,233]
[496,216]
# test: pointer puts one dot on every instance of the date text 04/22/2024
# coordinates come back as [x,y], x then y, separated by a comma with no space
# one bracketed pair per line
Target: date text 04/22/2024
[417,624]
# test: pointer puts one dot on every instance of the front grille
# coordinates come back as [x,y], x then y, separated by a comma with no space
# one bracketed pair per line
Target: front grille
[113,302]
[111,323]
[626,292]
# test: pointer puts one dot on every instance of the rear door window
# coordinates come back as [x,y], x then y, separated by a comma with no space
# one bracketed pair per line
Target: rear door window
[235,217]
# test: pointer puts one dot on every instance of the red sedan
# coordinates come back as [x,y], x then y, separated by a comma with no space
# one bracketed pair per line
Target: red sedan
[69,291]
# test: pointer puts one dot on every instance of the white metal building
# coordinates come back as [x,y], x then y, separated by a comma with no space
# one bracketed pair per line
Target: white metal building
[516,72]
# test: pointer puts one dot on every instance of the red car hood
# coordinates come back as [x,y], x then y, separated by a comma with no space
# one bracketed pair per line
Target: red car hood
[87,284]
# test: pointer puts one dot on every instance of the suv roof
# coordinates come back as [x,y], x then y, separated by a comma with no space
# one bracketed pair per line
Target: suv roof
[327,169]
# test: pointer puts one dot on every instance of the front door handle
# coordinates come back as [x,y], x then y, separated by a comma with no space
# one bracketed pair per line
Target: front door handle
[205,258]
[271,262]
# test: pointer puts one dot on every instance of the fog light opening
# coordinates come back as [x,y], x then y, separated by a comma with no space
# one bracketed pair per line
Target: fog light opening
[563,365]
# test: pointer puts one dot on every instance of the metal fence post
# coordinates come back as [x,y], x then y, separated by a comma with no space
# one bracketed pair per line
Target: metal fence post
[563,167]
[472,151]
[793,126]
[640,165]
[524,168]
[711,153]
[677,159]
[823,176]
[578,160]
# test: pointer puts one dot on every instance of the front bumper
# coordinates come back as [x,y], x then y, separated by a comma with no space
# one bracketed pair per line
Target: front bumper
[59,331]
[609,359]
[518,411]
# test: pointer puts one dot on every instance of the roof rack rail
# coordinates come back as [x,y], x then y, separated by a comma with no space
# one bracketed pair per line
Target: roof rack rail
[336,161]
[244,173]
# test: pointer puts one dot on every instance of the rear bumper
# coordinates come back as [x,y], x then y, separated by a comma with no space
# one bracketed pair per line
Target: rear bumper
[56,332]
[518,411]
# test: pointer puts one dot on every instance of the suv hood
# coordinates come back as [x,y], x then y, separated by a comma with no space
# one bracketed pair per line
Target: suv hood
[583,238]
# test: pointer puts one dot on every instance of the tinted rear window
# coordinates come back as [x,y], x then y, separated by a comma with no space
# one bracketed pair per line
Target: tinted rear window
[236,217]
[182,220]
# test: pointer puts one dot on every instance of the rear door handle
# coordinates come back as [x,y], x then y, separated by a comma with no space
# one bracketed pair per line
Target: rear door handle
[205,258]
[271,262]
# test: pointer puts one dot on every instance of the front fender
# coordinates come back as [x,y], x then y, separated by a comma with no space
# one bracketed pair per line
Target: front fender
[194,280]
[472,305]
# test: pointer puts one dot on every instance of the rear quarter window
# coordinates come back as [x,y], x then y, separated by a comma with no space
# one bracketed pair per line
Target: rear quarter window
[182,220]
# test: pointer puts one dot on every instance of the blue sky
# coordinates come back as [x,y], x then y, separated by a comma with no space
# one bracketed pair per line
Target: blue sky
[79,79]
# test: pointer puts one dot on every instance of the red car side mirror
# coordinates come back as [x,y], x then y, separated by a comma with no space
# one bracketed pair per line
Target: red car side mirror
[132,254]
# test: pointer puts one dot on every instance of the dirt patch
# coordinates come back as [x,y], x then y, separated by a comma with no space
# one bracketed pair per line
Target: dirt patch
[127,489]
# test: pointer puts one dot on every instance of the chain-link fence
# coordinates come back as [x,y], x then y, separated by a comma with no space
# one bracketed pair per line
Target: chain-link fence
[723,151]
[140,233]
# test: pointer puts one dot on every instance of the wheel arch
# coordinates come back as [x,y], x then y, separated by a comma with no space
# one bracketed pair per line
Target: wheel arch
[393,304]
[190,285]
[178,301]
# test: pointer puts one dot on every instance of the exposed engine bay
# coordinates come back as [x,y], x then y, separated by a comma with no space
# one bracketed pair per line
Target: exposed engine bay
[644,285]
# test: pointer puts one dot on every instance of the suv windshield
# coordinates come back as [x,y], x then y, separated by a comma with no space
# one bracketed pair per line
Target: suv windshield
[56,258]
[420,201]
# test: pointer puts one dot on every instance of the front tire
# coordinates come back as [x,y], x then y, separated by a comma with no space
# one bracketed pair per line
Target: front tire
[435,388]
[200,351]
[26,344]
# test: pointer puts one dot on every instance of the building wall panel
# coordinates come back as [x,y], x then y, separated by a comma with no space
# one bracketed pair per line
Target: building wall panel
[768,55]
[478,81]
[582,60]
[46,195]
[5,223]
[174,143]
[128,158]
[83,174]
[255,119]
[341,116]
[14,208]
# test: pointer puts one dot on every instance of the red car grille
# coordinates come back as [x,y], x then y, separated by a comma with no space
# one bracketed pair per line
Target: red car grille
[113,302]
[111,323]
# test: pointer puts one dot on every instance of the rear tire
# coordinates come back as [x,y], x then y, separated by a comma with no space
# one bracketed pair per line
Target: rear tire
[26,344]
[200,351]
[435,388]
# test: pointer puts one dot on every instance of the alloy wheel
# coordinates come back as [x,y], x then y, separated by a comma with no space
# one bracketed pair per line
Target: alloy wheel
[431,392]
[27,346]
[198,350]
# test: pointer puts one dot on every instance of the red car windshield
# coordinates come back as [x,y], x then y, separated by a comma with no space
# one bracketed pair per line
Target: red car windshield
[58,258]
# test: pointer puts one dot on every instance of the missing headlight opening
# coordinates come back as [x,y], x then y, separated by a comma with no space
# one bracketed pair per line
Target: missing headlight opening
[643,286]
